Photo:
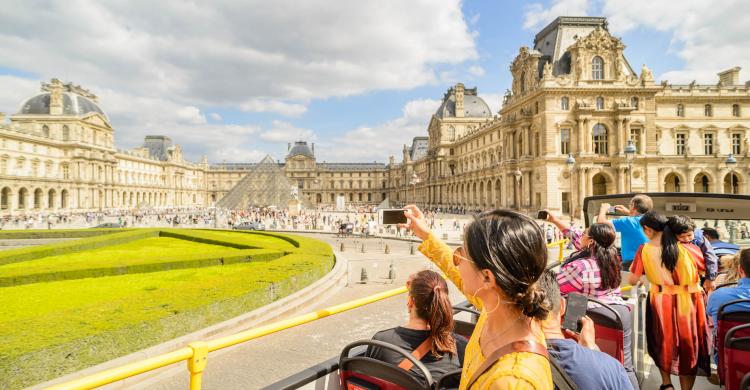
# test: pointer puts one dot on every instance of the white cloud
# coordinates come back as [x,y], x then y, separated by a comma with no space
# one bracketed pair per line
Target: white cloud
[191,115]
[476,70]
[237,53]
[708,36]
[286,132]
[494,100]
[277,106]
[215,116]
[374,143]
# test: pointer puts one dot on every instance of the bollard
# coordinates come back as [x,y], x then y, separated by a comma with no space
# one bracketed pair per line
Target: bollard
[341,249]
[392,272]
[363,248]
[387,249]
[411,247]
[363,276]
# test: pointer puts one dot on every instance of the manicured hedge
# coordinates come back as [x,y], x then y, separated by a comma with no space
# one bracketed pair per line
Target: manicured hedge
[57,233]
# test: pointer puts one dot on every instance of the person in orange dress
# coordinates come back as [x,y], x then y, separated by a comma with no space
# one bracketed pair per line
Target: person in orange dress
[676,328]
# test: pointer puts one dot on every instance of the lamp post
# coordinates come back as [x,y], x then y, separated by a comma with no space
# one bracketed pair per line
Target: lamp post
[629,156]
[570,162]
[517,175]
[731,162]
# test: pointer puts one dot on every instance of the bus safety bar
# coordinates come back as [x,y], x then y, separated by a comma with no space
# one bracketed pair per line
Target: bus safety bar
[196,353]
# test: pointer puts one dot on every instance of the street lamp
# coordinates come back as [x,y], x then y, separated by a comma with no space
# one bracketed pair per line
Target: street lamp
[731,162]
[517,174]
[629,156]
[570,162]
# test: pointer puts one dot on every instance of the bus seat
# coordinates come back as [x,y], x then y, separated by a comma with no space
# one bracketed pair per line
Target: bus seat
[725,322]
[736,356]
[463,327]
[610,333]
[449,381]
[364,373]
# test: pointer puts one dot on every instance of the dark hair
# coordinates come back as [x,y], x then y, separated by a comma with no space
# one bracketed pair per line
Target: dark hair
[606,255]
[548,283]
[744,256]
[430,294]
[512,246]
[642,203]
[710,233]
[670,247]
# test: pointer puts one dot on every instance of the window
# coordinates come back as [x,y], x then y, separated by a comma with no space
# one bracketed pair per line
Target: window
[708,144]
[451,133]
[597,68]
[681,142]
[564,103]
[537,145]
[735,110]
[599,103]
[4,166]
[680,110]
[736,144]
[635,136]
[45,130]
[65,133]
[565,141]
[600,139]
[634,102]
[708,110]
[35,168]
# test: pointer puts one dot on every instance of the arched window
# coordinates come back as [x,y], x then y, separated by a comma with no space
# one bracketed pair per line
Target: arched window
[680,110]
[65,133]
[600,139]
[599,103]
[451,133]
[708,110]
[564,103]
[597,68]
[45,130]
[634,102]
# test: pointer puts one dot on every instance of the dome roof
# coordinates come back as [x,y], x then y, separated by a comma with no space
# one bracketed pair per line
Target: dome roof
[300,148]
[73,104]
[474,106]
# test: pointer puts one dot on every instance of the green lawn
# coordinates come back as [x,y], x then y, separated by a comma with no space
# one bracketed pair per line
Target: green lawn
[48,329]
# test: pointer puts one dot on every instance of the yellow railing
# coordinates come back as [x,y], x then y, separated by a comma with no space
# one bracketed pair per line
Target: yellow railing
[196,353]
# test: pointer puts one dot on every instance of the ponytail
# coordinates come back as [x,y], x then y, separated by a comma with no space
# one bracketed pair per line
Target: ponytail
[669,249]
[429,291]
[606,255]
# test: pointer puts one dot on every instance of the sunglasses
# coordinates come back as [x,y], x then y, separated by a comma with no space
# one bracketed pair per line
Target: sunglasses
[459,256]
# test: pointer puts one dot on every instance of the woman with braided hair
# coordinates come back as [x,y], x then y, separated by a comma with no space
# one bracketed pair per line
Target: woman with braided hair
[497,268]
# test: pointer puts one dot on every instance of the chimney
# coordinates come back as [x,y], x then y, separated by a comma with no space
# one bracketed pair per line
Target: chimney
[730,76]
[55,97]
[459,100]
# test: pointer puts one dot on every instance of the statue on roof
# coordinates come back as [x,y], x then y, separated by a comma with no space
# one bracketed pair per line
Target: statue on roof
[547,73]
[646,74]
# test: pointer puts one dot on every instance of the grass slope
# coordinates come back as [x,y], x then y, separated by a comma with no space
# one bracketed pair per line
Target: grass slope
[52,328]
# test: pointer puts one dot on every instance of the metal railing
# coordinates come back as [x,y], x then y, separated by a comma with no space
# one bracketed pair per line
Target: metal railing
[196,353]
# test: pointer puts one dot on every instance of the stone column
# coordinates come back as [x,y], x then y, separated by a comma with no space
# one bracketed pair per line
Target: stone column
[581,147]
[620,146]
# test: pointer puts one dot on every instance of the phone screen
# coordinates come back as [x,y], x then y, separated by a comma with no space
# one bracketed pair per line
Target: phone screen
[575,309]
[541,215]
[392,216]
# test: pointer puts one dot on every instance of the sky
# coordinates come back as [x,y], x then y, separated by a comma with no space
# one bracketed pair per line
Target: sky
[235,80]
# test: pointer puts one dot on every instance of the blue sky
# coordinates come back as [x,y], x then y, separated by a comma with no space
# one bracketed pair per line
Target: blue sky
[240,80]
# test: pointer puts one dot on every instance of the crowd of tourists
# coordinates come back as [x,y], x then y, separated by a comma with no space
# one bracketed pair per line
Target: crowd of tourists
[519,342]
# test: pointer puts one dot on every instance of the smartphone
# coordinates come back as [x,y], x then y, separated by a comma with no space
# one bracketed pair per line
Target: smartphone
[612,210]
[391,216]
[543,214]
[574,310]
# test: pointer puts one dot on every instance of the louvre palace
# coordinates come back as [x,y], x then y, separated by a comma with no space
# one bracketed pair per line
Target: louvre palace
[579,119]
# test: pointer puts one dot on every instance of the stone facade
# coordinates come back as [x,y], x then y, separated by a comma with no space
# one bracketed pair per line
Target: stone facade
[575,94]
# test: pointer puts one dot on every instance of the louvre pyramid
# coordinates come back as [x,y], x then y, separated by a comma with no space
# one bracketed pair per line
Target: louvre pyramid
[265,185]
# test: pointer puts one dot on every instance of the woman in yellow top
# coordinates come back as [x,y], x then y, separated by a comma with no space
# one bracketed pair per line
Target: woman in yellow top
[497,268]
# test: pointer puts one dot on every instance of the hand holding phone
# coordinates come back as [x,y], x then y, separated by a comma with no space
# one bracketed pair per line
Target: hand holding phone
[392,216]
[543,214]
[574,310]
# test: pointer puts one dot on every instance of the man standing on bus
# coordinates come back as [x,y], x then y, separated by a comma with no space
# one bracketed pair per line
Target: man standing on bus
[631,234]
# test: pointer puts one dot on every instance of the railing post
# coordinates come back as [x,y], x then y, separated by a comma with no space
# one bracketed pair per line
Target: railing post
[197,363]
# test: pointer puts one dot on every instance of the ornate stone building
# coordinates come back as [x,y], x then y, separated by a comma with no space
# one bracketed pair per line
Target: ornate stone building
[575,94]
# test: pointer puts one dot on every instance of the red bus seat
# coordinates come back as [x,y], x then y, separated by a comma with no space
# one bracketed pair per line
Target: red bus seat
[736,356]
[610,333]
[364,373]
[725,321]
[745,384]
